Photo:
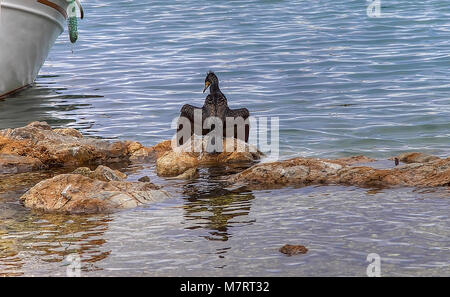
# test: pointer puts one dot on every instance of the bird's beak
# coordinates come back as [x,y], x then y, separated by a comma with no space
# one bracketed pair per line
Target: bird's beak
[206,86]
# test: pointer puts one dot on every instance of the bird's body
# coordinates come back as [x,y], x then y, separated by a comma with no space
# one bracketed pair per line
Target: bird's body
[216,105]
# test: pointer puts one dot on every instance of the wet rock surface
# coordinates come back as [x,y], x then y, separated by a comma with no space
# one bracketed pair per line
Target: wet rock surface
[68,132]
[415,157]
[145,154]
[191,173]
[291,250]
[194,154]
[37,146]
[85,191]
[10,163]
[144,179]
[103,173]
[435,172]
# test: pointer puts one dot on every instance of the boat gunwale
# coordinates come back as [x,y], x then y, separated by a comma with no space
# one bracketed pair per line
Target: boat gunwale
[54,6]
[32,11]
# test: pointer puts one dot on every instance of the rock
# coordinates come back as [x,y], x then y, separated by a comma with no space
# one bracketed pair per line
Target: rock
[19,182]
[68,132]
[78,193]
[416,158]
[191,173]
[151,153]
[290,250]
[102,173]
[173,163]
[353,160]
[133,147]
[305,171]
[300,171]
[193,154]
[59,147]
[18,164]
[144,179]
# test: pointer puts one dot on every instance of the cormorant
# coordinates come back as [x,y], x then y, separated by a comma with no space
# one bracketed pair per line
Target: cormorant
[215,105]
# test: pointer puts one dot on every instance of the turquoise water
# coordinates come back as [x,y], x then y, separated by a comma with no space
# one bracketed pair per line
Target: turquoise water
[340,82]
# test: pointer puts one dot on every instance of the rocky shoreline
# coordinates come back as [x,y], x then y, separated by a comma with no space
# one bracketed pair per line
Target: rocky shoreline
[38,147]
[419,170]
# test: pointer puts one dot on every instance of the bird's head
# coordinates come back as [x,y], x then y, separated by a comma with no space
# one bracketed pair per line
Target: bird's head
[211,79]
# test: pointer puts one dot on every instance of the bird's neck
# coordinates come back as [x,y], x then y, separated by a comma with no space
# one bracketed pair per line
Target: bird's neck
[214,88]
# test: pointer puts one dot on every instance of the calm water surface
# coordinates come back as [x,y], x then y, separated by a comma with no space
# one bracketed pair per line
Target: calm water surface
[340,82]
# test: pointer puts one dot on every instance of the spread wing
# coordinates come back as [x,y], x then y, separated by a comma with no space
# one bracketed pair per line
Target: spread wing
[187,111]
[241,112]
[244,113]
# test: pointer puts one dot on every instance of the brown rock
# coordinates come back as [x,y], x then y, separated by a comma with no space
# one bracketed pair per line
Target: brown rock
[20,181]
[353,160]
[68,132]
[300,171]
[133,147]
[61,147]
[144,179]
[191,173]
[173,163]
[193,154]
[290,250]
[161,148]
[304,171]
[150,153]
[416,158]
[102,173]
[18,164]
[77,193]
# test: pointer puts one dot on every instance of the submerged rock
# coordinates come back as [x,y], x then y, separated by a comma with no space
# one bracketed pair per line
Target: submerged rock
[193,154]
[416,158]
[144,179]
[290,250]
[305,171]
[18,164]
[103,173]
[85,191]
[37,146]
[191,173]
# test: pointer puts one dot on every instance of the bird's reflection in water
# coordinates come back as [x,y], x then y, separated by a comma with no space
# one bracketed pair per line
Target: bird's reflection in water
[210,206]
[51,238]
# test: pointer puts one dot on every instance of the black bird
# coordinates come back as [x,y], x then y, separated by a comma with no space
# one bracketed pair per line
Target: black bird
[215,105]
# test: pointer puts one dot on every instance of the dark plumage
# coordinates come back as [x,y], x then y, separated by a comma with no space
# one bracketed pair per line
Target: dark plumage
[216,105]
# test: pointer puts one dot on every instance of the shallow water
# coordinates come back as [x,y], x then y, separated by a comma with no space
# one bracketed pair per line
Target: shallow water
[239,234]
[340,82]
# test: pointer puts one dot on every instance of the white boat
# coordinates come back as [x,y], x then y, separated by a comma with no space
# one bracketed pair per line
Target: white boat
[28,30]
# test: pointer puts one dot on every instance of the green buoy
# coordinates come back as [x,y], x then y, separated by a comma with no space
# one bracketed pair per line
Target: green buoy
[73,22]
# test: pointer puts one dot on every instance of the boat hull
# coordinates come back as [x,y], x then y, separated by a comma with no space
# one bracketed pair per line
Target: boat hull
[28,30]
